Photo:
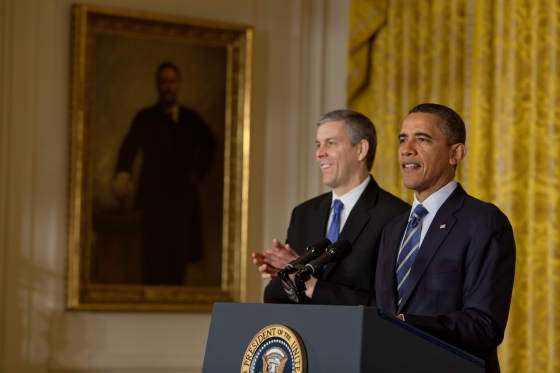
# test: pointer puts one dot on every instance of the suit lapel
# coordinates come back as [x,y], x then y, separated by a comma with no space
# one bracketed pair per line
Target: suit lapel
[433,240]
[320,217]
[358,218]
[389,271]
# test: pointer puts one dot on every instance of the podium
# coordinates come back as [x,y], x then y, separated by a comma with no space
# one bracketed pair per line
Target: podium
[336,339]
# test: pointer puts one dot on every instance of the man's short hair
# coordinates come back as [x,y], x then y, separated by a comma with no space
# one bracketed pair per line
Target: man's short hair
[167,65]
[449,122]
[358,127]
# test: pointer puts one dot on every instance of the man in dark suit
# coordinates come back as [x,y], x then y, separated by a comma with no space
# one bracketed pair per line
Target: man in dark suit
[452,274]
[346,143]
[177,150]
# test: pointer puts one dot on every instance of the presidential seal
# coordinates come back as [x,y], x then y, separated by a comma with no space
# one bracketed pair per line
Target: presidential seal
[275,349]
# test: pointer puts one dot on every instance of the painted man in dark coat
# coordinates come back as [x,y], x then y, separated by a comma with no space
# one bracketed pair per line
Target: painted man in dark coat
[177,150]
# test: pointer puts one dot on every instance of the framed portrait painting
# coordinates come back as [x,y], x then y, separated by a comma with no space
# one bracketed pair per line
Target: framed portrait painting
[158,174]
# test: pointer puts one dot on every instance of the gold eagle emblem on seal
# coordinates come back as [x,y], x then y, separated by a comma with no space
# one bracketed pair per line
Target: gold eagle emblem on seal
[275,349]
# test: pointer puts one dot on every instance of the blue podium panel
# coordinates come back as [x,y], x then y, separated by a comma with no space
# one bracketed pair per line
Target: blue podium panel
[341,339]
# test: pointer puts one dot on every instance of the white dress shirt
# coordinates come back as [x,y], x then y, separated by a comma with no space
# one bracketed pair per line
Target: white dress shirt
[432,204]
[349,201]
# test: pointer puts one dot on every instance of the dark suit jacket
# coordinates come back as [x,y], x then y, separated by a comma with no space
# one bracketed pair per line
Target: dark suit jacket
[171,152]
[363,229]
[459,288]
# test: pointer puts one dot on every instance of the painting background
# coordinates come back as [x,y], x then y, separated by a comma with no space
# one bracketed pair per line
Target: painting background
[125,82]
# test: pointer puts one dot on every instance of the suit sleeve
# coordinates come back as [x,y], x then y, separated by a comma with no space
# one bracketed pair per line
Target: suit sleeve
[487,288]
[131,145]
[274,291]
[206,149]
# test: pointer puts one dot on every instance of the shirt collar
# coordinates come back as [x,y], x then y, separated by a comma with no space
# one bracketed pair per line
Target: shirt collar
[349,199]
[434,202]
[174,111]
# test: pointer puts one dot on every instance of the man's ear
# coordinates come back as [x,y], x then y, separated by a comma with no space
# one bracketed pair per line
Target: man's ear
[458,152]
[363,148]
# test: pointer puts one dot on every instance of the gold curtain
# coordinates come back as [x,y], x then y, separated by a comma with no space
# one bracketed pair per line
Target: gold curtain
[497,63]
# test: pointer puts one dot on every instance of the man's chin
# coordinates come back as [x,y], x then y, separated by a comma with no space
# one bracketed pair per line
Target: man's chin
[329,183]
[409,184]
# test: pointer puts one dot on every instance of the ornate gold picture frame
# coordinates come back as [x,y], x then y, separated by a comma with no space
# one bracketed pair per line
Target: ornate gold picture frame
[175,239]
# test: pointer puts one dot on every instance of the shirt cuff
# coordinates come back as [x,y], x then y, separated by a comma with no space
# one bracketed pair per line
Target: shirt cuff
[291,294]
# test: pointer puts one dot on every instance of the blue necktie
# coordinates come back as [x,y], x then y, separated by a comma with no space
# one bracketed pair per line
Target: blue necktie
[409,248]
[334,229]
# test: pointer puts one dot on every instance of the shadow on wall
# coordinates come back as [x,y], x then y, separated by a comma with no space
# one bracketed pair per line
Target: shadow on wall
[73,351]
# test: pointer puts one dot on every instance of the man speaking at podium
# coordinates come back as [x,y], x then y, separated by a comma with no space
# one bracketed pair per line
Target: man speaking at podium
[356,209]
[446,266]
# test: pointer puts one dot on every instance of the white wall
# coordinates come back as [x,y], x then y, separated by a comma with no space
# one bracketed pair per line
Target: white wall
[299,73]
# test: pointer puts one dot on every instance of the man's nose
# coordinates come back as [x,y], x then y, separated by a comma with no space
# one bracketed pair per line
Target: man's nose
[407,148]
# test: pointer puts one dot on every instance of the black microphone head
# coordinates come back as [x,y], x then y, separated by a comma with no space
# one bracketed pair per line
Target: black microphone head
[340,248]
[320,245]
[312,251]
[334,252]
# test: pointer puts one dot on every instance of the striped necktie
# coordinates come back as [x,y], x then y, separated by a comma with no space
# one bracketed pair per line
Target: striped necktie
[409,248]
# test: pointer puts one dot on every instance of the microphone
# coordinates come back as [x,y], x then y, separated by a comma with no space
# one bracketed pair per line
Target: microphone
[311,252]
[334,252]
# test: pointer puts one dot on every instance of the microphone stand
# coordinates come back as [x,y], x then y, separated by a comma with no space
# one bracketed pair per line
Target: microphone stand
[301,277]
[284,277]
